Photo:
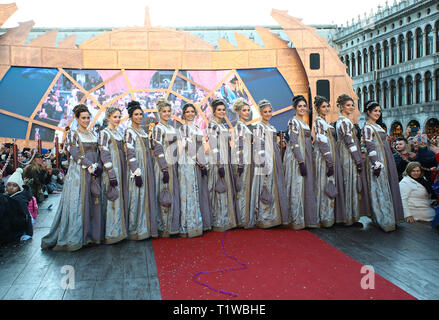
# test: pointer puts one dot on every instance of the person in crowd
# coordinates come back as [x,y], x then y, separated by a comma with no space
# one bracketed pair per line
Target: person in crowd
[15,219]
[114,180]
[383,183]
[164,145]
[268,190]
[330,201]
[417,194]
[425,156]
[402,156]
[55,184]
[38,174]
[142,211]
[299,170]
[196,212]
[242,163]
[356,195]
[78,220]
[222,192]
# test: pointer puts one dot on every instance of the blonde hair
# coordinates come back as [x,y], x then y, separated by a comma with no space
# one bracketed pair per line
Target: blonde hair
[239,104]
[410,166]
[162,103]
[110,110]
[263,104]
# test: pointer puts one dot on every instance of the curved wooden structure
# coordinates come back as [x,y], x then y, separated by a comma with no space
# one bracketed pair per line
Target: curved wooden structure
[157,48]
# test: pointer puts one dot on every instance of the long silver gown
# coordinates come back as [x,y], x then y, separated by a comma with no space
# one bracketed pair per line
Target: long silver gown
[242,157]
[300,190]
[164,144]
[142,219]
[224,208]
[325,155]
[356,195]
[385,196]
[112,153]
[196,213]
[78,221]
[268,171]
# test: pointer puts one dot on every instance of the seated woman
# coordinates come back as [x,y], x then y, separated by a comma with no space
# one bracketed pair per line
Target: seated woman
[417,194]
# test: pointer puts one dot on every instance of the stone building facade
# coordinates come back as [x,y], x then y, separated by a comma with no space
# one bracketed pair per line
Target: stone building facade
[393,57]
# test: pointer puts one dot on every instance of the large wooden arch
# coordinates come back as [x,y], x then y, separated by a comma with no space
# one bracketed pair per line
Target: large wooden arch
[158,48]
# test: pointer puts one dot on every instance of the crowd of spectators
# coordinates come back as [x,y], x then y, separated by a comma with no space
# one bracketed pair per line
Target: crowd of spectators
[22,190]
[417,161]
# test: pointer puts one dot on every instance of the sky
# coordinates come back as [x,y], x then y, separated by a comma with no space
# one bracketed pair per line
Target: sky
[183,13]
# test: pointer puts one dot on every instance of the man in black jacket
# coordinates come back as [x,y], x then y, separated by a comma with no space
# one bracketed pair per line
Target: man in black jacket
[402,156]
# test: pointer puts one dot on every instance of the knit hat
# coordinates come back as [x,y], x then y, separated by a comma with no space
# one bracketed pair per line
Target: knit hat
[17,178]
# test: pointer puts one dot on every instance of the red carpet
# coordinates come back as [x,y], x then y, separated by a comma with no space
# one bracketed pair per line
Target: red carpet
[281,264]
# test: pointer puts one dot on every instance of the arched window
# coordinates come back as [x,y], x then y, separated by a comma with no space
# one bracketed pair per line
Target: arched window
[436,81]
[432,128]
[386,53]
[429,38]
[366,60]
[379,58]
[409,81]
[393,51]
[348,65]
[385,95]
[428,87]
[360,102]
[372,58]
[437,35]
[401,42]
[365,96]
[418,88]
[371,93]
[392,93]
[419,43]
[353,65]
[401,92]
[396,129]
[378,90]
[359,63]
[411,47]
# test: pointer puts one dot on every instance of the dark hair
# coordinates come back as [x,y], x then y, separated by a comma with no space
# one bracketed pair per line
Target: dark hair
[297,99]
[133,106]
[342,99]
[401,139]
[369,106]
[319,100]
[215,103]
[80,108]
[188,105]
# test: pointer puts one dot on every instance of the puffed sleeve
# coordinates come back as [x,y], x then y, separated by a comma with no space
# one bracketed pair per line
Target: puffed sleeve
[213,132]
[130,142]
[157,139]
[259,145]
[368,135]
[105,154]
[293,131]
[345,131]
[72,141]
[239,143]
[323,141]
